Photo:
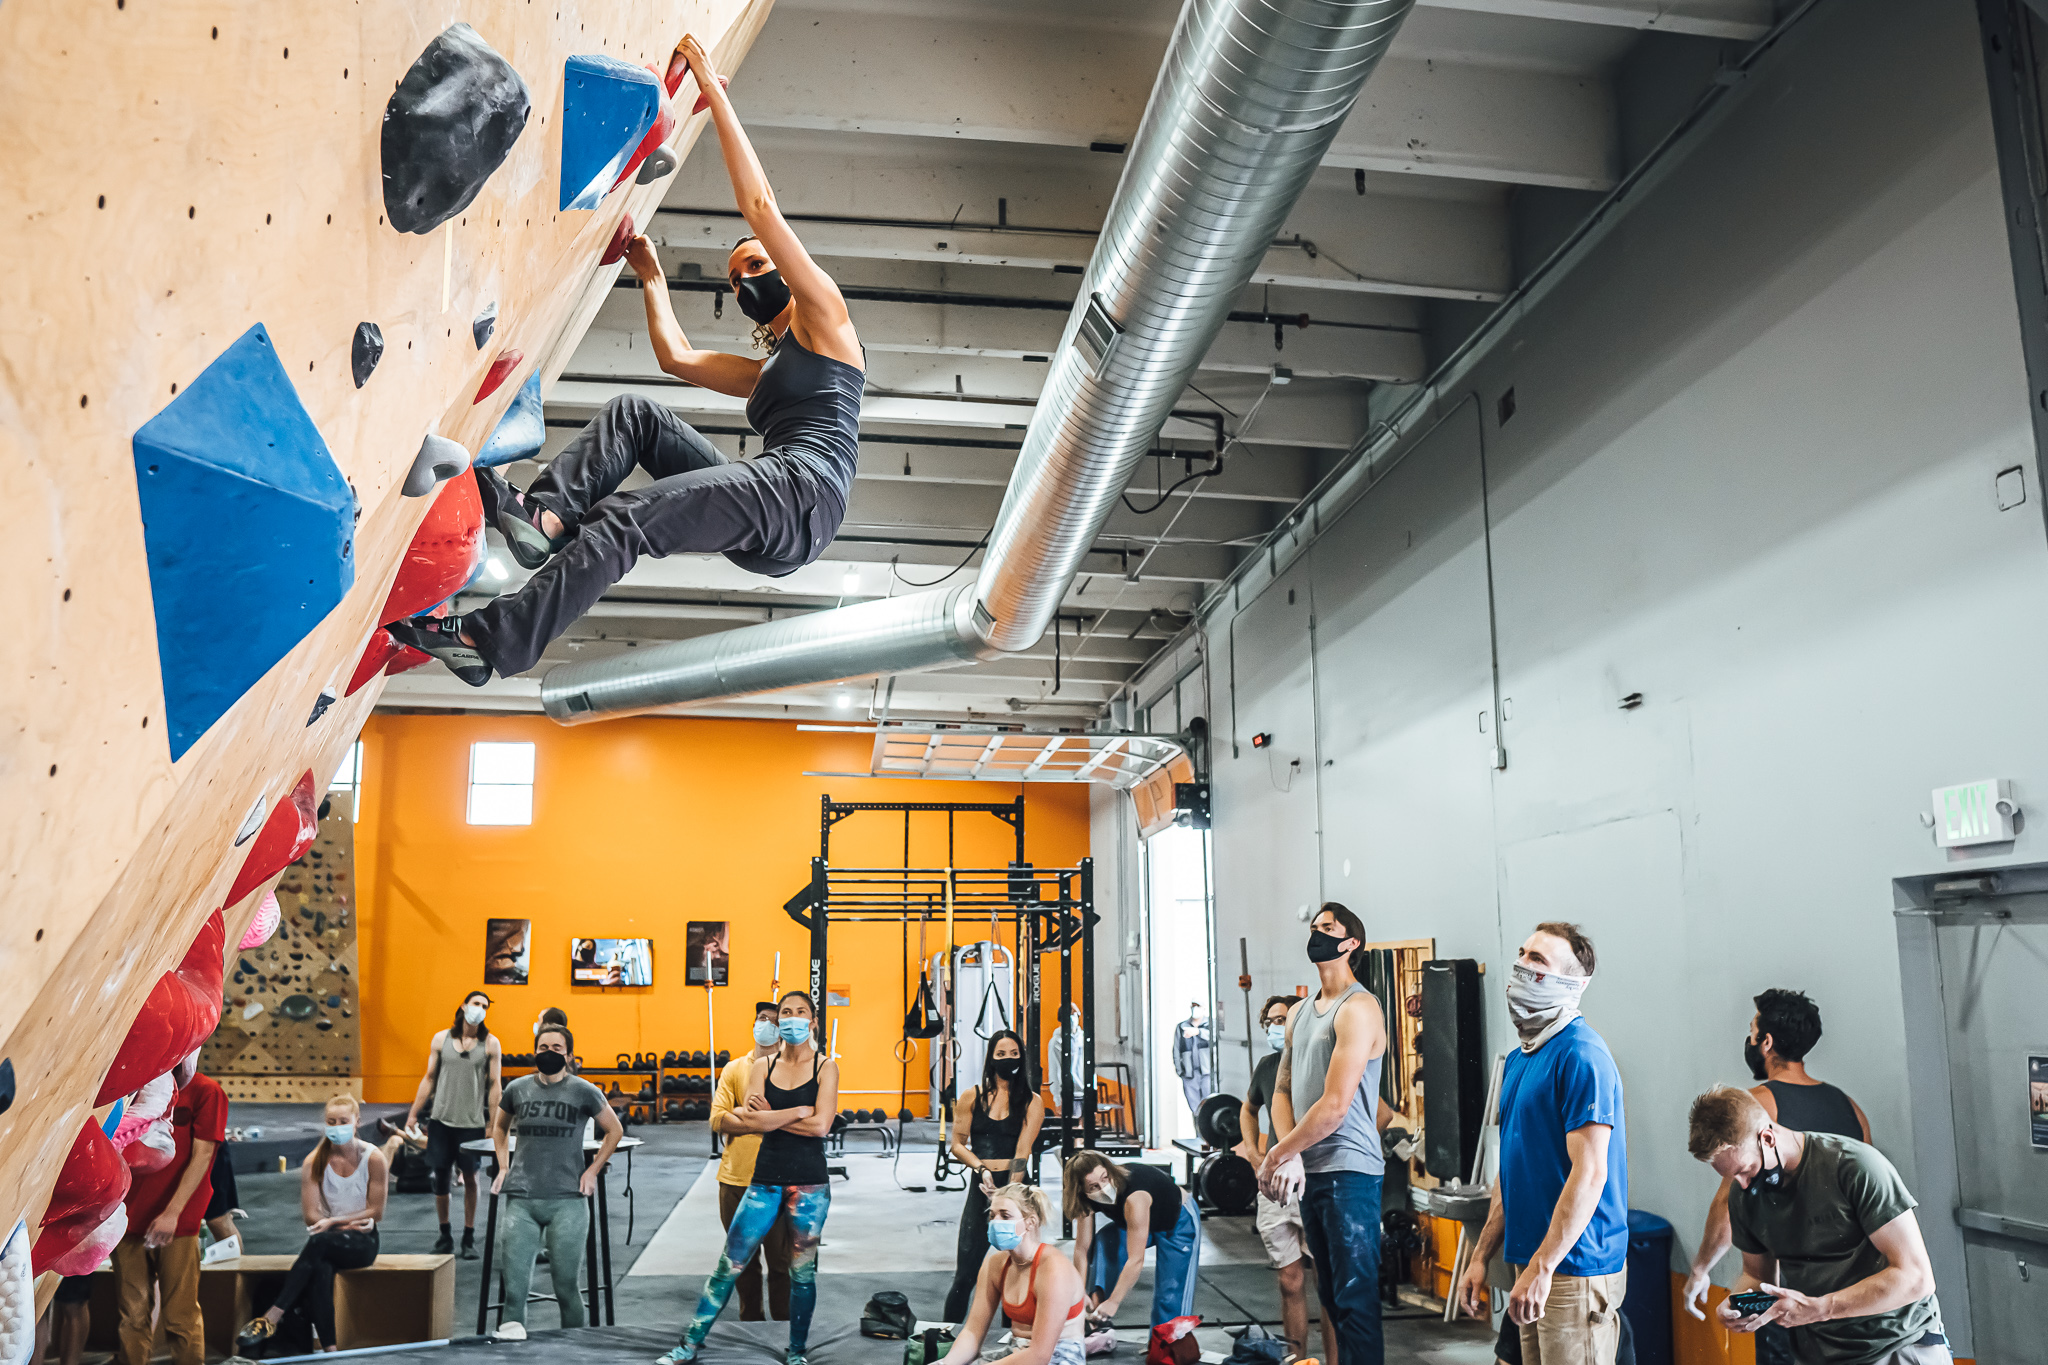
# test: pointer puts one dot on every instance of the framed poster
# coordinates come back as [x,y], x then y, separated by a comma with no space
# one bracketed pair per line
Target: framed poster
[505,955]
[710,950]
[2037,1098]
[611,961]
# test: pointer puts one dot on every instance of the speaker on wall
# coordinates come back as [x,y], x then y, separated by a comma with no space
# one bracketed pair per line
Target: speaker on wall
[1453,1064]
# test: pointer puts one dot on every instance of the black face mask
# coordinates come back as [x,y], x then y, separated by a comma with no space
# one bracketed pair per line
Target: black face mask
[549,1063]
[762,297]
[1753,1054]
[1007,1068]
[1323,948]
[1769,1178]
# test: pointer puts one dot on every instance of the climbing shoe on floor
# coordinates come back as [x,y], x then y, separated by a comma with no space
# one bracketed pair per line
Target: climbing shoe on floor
[441,637]
[252,1339]
[509,1331]
[518,519]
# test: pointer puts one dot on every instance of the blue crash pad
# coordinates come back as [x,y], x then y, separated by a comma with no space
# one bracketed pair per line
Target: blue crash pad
[249,527]
[520,433]
[607,107]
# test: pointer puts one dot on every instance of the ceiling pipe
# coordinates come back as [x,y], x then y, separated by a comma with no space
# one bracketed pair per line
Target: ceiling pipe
[1249,96]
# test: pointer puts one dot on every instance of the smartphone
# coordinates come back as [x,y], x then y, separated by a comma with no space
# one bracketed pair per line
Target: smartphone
[1751,1302]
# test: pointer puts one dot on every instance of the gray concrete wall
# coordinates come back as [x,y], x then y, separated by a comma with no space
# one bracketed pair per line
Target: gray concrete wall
[1750,476]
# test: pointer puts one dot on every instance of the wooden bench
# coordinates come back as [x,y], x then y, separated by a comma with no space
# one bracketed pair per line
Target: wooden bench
[399,1299]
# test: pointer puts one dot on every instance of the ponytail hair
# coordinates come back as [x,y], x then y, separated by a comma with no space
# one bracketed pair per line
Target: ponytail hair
[324,1149]
[1028,1197]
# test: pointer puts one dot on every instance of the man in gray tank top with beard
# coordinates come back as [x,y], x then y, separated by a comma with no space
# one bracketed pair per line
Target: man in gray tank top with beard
[1326,1111]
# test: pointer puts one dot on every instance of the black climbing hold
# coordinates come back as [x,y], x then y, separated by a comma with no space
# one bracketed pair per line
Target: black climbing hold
[366,352]
[324,700]
[297,1008]
[6,1084]
[448,126]
[483,324]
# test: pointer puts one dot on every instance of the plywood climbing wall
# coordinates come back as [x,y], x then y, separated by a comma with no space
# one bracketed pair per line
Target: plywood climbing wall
[181,174]
[291,1029]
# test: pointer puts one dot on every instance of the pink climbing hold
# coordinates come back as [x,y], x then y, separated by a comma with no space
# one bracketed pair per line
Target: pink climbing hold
[500,370]
[264,925]
[96,1246]
[622,237]
[185,1004]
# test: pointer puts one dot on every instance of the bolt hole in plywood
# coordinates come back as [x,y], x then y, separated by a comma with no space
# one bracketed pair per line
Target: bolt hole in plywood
[291,1031]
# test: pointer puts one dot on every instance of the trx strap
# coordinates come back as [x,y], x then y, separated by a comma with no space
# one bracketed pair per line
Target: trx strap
[988,967]
[923,1019]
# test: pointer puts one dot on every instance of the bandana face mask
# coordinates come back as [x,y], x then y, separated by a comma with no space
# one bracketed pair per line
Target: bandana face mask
[1540,1002]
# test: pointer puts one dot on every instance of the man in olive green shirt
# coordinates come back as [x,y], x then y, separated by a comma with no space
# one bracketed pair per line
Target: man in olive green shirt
[1826,1228]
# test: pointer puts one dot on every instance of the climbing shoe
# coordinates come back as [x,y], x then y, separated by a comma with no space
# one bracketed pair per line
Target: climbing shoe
[468,1249]
[252,1339]
[441,637]
[517,519]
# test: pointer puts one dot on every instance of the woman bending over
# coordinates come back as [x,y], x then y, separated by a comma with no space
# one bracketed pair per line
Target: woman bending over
[1141,1207]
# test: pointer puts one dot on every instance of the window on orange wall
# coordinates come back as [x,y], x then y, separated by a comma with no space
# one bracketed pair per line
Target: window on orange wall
[349,778]
[500,784]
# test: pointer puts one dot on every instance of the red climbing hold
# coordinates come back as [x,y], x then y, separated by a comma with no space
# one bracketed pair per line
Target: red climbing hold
[184,1005]
[381,650]
[704,100]
[408,659]
[90,1187]
[622,237]
[285,836]
[445,552]
[500,368]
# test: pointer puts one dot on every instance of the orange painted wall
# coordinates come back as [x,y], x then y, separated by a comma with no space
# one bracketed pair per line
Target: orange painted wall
[639,826]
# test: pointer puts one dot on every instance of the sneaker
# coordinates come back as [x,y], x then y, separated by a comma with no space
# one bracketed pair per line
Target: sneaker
[441,637]
[794,1358]
[468,1249]
[252,1339]
[445,1243]
[517,519]
[510,1331]
[677,1355]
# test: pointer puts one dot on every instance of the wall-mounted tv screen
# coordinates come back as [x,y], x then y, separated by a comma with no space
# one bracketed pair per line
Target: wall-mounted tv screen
[611,961]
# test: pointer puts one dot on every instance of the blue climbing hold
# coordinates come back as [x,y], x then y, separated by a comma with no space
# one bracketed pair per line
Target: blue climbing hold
[112,1121]
[248,524]
[607,106]
[520,433]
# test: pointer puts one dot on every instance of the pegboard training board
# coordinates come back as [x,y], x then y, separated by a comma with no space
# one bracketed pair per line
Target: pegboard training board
[290,1029]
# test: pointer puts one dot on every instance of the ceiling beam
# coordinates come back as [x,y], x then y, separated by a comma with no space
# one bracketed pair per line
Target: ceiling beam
[1742,20]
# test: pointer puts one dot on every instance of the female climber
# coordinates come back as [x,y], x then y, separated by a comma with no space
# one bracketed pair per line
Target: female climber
[341,1193]
[770,515]
[1039,1294]
[1144,1208]
[791,1102]
[992,1136]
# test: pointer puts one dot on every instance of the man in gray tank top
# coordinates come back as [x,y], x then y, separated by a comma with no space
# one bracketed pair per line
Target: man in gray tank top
[1326,1124]
[1783,1030]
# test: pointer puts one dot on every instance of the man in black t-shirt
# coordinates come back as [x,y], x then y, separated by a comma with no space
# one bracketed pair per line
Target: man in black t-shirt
[1279,1224]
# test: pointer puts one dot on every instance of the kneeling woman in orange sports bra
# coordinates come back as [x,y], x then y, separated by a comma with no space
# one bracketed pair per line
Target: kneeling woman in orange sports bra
[1039,1294]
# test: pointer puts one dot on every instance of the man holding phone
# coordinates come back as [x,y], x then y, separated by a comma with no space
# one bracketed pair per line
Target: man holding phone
[1830,1247]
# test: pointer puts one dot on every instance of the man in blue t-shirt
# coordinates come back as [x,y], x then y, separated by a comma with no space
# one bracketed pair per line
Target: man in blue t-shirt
[1560,1207]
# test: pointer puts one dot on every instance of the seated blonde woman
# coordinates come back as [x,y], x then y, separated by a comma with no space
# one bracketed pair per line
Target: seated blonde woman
[1040,1295]
[341,1193]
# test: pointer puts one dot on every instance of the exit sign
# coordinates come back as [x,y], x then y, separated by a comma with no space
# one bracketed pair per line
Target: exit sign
[1974,813]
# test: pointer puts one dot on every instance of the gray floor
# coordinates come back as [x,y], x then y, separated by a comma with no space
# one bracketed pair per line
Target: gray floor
[865,1236]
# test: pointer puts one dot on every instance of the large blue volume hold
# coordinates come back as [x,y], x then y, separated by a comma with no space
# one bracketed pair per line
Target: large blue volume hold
[249,527]
[520,433]
[607,107]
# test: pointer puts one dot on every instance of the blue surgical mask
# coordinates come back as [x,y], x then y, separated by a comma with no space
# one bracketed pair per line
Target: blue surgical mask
[1005,1233]
[339,1133]
[795,1030]
[1276,1036]
[765,1033]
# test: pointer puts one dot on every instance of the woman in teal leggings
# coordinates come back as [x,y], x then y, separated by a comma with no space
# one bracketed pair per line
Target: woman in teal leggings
[790,1102]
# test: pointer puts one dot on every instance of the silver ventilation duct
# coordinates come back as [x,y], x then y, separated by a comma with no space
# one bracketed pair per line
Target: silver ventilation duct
[1249,96]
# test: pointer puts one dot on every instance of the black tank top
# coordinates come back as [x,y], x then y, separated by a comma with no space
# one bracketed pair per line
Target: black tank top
[1165,1212]
[807,408]
[788,1158]
[994,1139]
[1815,1109]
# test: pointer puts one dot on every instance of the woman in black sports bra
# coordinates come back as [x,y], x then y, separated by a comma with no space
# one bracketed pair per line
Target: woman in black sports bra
[993,1133]
[770,515]
[790,1102]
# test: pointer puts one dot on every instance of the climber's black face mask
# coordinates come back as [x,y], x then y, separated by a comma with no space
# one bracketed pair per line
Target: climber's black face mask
[762,297]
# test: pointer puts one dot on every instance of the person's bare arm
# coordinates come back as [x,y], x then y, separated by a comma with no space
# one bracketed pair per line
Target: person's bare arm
[1084,1242]
[312,1208]
[1027,1138]
[501,1129]
[757,1117]
[821,319]
[1281,1107]
[609,1125]
[1137,1232]
[1250,1145]
[966,1348]
[426,1086]
[1715,1240]
[818,1122]
[1361,1035]
[1384,1115]
[1472,1291]
[497,1082]
[956,1136]
[1862,1118]
[1908,1276]
[1756,1268]
[719,371]
[1586,1145]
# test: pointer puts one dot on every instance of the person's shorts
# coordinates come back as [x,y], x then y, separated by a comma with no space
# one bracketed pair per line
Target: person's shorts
[224,1194]
[1280,1229]
[444,1150]
[74,1289]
